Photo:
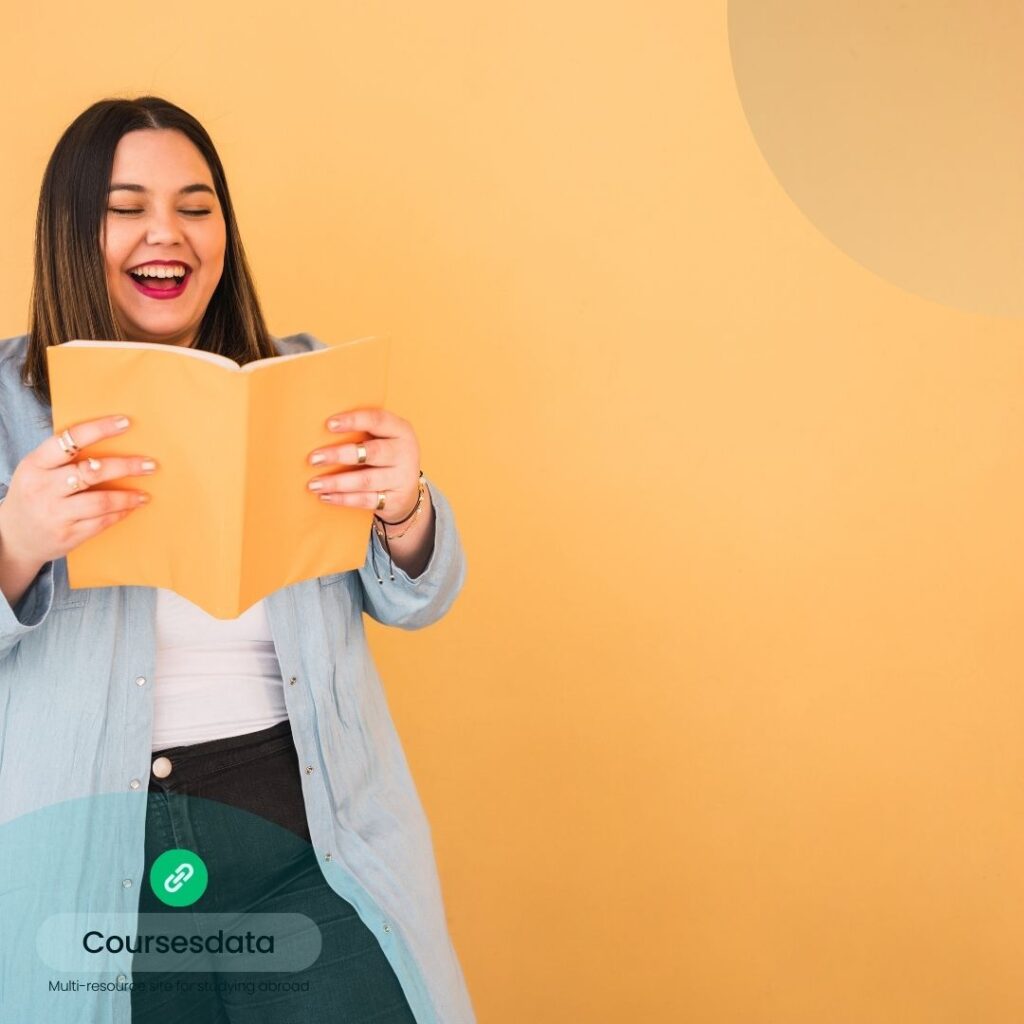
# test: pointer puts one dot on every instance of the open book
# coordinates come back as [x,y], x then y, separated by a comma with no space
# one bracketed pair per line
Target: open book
[231,519]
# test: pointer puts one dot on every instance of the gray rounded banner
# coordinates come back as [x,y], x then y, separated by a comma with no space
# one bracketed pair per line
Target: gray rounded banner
[179,942]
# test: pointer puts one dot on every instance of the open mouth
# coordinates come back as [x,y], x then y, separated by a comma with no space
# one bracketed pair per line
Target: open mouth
[160,287]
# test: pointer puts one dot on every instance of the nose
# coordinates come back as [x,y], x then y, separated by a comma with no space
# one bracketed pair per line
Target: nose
[162,227]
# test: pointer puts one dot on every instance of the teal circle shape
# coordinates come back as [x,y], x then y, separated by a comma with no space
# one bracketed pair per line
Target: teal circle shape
[178,877]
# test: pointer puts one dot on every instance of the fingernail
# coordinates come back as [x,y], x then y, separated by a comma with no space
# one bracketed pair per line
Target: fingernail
[94,464]
[333,424]
[143,498]
[122,422]
[148,465]
[318,458]
[315,485]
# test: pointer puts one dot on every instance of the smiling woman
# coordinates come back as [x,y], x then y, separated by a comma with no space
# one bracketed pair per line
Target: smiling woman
[261,746]
[157,196]
[162,241]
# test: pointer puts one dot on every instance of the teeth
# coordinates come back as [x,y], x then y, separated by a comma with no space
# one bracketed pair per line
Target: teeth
[150,271]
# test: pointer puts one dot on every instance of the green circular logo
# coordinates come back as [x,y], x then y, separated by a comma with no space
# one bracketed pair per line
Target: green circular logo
[178,877]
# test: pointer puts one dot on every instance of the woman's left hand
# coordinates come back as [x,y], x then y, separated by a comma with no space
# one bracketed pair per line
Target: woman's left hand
[391,466]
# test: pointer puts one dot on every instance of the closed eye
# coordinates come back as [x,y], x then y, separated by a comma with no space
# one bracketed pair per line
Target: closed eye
[188,213]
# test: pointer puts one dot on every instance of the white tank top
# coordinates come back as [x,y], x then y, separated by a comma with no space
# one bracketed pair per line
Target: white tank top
[214,677]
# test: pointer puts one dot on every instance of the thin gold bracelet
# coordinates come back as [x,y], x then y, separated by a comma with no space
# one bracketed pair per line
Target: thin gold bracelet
[410,518]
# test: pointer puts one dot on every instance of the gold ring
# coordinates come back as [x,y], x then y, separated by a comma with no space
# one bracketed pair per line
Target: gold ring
[380,500]
[67,443]
[360,454]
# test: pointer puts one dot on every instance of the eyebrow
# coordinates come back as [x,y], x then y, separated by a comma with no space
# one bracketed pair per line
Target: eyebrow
[124,187]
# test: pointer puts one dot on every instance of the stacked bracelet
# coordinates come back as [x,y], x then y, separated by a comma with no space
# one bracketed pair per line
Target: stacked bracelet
[379,524]
[413,515]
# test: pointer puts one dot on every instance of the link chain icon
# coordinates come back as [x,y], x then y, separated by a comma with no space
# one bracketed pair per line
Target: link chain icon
[172,883]
[178,877]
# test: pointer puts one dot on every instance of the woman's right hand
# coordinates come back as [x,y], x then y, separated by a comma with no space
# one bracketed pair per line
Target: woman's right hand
[43,516]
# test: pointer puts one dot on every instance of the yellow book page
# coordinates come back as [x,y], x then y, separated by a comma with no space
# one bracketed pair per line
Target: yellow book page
[188,412]
[289,534]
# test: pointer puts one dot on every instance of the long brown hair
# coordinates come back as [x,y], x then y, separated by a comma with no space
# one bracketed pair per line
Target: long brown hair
[70,298]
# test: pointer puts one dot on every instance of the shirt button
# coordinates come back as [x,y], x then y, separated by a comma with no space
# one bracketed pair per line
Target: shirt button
[140,680]
[134,784]
[291,681]
[309,769]
[127,883]
[387,927]
[162,767]
[121,979]
[327,855]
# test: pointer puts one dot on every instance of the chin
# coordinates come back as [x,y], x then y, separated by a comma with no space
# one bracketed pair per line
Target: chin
[158,335]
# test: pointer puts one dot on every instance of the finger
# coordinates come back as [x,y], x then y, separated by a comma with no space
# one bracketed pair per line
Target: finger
[379,452]
[90,527]
[379,422]
[375,479]
[86,473]
[50,454]
[95,471]
[87,528]
[354,499]
[393,500]
[94,504]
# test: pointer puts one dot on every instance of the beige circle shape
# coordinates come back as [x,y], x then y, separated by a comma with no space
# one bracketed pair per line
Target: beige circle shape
[898,129]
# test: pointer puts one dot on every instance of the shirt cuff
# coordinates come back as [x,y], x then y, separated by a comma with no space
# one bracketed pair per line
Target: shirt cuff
[29,611]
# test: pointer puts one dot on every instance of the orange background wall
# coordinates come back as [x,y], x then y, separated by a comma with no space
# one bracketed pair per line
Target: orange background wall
[725,727]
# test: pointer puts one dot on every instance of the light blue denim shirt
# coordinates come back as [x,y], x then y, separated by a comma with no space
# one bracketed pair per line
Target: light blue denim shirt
[75,753]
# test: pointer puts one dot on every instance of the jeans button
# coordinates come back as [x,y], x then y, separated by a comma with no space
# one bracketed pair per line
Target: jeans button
[162,767]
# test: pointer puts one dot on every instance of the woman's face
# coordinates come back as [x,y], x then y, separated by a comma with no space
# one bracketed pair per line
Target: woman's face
[162,211]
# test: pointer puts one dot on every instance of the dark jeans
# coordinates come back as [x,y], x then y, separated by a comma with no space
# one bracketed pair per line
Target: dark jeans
[237,802]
